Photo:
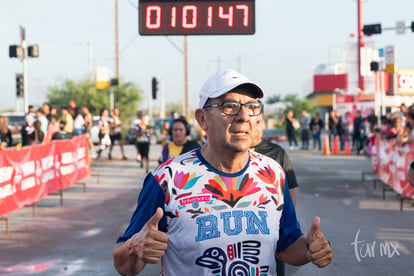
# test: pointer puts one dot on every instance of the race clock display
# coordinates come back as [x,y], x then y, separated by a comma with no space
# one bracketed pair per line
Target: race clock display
[203,17]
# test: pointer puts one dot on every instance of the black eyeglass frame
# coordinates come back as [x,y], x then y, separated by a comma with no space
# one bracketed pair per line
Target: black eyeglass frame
[221,104]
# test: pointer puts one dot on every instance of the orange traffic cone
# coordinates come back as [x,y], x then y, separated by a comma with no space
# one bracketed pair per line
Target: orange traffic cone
[326,148]
[335,149]
[347,149]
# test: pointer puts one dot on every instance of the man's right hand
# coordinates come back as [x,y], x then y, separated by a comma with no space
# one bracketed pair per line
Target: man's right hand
[149,244]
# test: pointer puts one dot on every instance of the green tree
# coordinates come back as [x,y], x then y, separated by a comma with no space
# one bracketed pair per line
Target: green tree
[292,102]
[127,97]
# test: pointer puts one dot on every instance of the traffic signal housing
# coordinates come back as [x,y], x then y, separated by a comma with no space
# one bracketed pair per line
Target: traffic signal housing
[372,29]
[374,66]
[15,51]
[19,85]
[154,85]
[33,50]
[412,26]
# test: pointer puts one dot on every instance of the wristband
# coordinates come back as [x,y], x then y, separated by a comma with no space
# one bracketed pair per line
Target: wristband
[412,165]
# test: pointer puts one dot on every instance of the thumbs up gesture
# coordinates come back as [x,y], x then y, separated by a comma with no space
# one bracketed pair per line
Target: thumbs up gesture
[319,249]
[150,244]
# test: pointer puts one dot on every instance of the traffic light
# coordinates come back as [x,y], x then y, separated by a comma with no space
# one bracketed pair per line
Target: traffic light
[114,82]
[372,29]
[15,51]
[33,50]
[19,85]
[374,66]
[154,84]
[412,26]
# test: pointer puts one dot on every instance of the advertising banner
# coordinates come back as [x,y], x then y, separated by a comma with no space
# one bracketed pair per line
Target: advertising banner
[27,175]
[390,162]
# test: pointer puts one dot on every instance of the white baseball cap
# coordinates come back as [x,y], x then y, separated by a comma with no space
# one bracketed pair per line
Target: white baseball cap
[224,81]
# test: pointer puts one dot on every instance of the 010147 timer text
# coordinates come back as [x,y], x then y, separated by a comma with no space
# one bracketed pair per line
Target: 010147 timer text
[196,17]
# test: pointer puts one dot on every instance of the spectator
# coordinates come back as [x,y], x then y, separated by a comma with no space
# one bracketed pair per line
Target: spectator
[46,110]
[291,125]
[304,129]
[38,133]
[79,126]
[28,131]
[410,174]
[363,135]
[72,107]
[88,124]
[44,122]
[356,126]
[52,128]
[67,120]
[62,134]
[5,134]
[316,126]
[345,132]
[332,126]
[410,137]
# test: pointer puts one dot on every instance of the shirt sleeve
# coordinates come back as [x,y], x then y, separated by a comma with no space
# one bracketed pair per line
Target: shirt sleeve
[150,198]
[289,230]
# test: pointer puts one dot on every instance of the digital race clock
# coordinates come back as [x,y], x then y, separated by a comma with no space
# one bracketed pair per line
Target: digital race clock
[202,17]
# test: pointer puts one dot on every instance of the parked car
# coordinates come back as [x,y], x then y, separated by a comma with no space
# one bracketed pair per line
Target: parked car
[15,122]
[274,135]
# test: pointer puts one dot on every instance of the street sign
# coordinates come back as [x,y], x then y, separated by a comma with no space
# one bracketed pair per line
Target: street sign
[381,52]
[389,54]
[400,27]
[102,77]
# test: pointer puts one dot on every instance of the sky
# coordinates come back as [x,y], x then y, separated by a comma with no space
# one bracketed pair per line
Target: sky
[292,39]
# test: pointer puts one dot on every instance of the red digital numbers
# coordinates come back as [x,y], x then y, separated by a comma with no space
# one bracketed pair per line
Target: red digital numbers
[196,17]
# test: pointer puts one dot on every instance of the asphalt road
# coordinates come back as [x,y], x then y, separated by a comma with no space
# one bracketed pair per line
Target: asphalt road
[369,236]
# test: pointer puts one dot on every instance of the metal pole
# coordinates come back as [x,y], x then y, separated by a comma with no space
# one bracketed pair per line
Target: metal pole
[378,98]
[162,111]
[23,45]
[116,41]
[149,99]
[111,98]
[382,93]
[361,45]
[90,48]
[185,106]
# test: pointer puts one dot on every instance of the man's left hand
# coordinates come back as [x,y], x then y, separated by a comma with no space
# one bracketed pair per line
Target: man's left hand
[319,248]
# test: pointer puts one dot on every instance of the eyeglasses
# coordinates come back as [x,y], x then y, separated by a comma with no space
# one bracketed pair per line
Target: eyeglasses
[233,108]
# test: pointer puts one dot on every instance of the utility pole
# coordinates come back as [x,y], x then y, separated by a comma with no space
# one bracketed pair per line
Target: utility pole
[24,61]
[185,106]
[116,41]
[90,61]
[361,45]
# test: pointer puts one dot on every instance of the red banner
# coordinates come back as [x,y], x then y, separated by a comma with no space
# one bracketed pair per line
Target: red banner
[29,174]
[390,162]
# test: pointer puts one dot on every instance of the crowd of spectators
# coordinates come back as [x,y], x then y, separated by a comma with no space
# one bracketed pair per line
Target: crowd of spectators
[43,124]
